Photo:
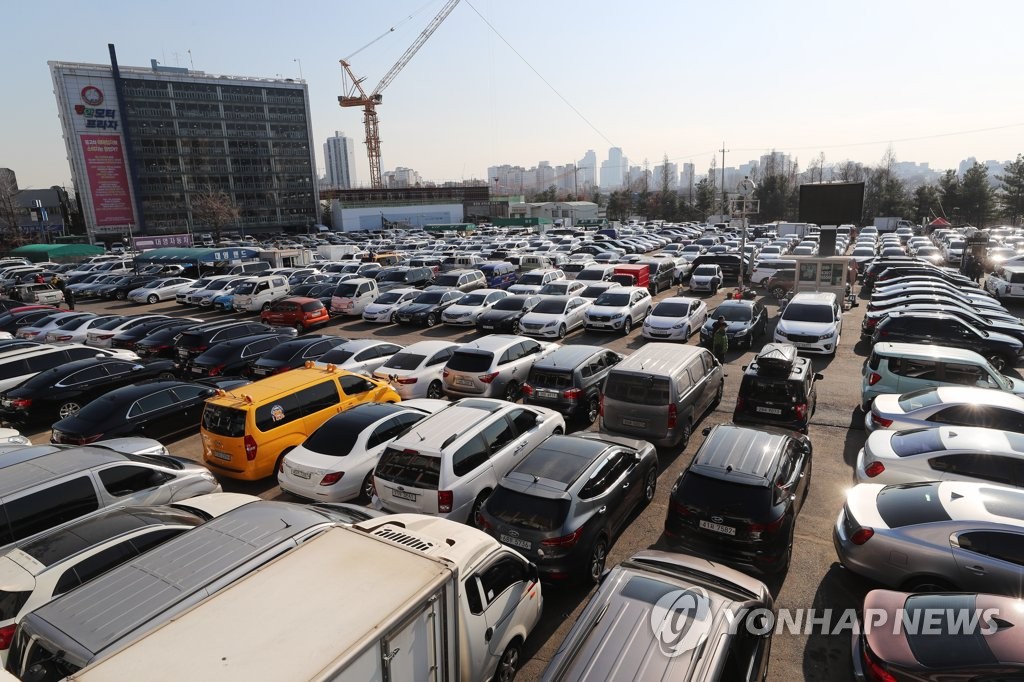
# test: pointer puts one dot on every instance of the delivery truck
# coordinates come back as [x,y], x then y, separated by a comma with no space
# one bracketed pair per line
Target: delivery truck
[402,597]
[891,223]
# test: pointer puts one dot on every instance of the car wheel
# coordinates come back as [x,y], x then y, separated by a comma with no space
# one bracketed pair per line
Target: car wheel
[165,375]
[593,409]
[120,295]
[68,409]
[598,557]
[299,328]
[394,318]
[627,326]
[997,361]
[508,664]
[366,490]
[152,298]
[475,519]
[512,392]
[431,320]
[684,434]
[516,328]
[779,292]
[435,390]
[557,431]
[561,331]
[650,485]
[718,395]
[266,306]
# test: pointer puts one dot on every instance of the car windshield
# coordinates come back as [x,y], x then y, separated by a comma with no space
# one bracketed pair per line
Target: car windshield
[637,388]
[403,361]
[732,313]
[915,400]
[389,297]
[447,281]
[554,289]
[112,323]
[671,309]
[346,290]
[612,300]
[472,299]
[217,285]
[806,312]
[910,504]
[470,361]
[245,288]
[429,297]
[706,270]
[398,276]
[224,421]
[550,306]
[531,279]
[509,303]
[527,511]
[410,468]
[335,437]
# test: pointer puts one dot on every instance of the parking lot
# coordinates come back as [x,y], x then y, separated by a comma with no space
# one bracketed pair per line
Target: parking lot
[814,578]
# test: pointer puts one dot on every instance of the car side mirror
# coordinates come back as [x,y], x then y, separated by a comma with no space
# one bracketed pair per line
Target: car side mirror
[744,368]
[706,430]
[532,573]
[818,376]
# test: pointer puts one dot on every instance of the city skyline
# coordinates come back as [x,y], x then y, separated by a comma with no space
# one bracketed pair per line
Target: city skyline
[467,100]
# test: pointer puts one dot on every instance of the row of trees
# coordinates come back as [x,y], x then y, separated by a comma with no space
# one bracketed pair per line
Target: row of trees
[968,199]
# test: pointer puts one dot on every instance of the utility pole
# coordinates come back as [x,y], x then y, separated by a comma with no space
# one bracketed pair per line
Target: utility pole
[723,150]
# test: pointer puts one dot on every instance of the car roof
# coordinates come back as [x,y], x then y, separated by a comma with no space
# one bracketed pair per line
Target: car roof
[925,351]
[567,356]
[428,347]
[820,297]
[19,475]
[658,358]
[279,384]
[738,453]
[493,342]
[359,344]
[558,462]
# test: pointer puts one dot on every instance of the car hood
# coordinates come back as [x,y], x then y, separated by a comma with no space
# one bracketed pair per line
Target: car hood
[662,322]
[731,328]
[525,288]
[379,307]
[702,278]
[498,315]
[607,310]
[462,309]
[542,318]
[419,308]
[808,328]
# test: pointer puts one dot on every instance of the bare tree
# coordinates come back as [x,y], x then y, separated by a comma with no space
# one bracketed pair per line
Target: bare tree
[214,209]
[9,209]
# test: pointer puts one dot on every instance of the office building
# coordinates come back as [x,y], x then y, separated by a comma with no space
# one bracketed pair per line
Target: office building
[340,161]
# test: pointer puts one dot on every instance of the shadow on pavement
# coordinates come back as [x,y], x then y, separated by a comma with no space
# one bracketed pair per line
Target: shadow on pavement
[828,648]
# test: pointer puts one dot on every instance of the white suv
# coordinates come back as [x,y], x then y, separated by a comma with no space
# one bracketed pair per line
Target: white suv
[450,462]
[813,322]
[619,309]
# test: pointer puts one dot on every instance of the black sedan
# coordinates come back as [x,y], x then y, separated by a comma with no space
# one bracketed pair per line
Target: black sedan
[504,315]
[293,354]
[236,357]
[160,343]
[62,391]
[119,290]
[13,321]
[426,309]
[939,329]
[154,409]
[746,320]
[130,337]
[986,320]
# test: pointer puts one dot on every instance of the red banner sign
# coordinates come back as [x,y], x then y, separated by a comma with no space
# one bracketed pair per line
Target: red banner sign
[108,179]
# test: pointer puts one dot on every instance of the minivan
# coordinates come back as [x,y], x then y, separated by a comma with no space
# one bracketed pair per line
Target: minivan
[247,432]
[499,275]
[905,367]
[1006,281]
[463,262]
[353,295]
[256,294]
[250,268]
[660,391]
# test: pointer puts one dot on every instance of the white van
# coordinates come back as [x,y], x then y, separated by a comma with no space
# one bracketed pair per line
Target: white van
[256,294]
[353,295]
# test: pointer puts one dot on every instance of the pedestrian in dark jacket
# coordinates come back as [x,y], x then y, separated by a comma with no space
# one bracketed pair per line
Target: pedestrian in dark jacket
[720,339]
[69,298]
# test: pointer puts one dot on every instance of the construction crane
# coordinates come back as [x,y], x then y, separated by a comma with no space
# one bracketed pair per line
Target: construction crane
[356,96]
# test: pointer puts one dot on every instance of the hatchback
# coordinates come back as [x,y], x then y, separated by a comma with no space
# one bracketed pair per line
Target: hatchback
[417,370]
[494,366]
[813,322]
[301,313]
[675,319]
[777,389]
[950,405]
[564,504]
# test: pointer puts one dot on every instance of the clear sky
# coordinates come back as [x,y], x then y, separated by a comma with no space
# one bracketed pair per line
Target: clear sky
[939,79]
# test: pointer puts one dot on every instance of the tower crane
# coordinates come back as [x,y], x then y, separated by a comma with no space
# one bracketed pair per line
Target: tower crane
[356,96]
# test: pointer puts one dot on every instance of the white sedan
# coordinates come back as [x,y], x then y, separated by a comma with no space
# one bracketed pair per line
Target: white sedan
[361,356]
[949,405]
[943,453]
[76,331]
[101,336]
[568,287]
[417,371]
[465,311]
[160,290]
[40,328]
[555,316]
[675,318]
[336,462]
[385,307]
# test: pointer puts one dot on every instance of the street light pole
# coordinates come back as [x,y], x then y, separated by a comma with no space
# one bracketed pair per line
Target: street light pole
[723,150]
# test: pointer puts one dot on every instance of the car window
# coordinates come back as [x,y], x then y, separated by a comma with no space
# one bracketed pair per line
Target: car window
[915,369]
[967,375]
[49,507]
[125,479]
[95,565]
[500,576]
[1003,546]
[498,434]
[85,375]
[191,392]
[978,465]
[352,384]
[469,456]
[524,420]
[441,356]
[152,402]
[602,480]
[1007,420]
[391,429]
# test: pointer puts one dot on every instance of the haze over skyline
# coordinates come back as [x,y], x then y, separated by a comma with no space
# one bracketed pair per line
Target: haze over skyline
[650,77]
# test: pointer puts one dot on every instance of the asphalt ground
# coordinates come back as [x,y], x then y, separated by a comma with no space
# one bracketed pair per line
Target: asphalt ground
[814,580]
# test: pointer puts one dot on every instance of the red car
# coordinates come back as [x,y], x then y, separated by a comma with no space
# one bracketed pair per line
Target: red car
[296,311]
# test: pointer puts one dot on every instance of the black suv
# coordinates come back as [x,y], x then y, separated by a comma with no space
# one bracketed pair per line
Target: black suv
[569,380]
[940,329]
[198,339]
[661,274]
[738,500]
[237,356]
[777,389]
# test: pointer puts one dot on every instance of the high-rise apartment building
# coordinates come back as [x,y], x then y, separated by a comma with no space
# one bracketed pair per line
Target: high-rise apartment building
[613,170]
[587,171]
[340,161]
[145,144]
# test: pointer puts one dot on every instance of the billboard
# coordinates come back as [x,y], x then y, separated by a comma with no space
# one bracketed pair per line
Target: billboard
[108,179]
[162,241]
[832,203]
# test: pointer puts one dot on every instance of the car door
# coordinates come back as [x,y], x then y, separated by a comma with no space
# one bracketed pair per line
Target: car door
[496,600]
[186,409]
[988,560]
[153,415]
[79,386]
[136,483]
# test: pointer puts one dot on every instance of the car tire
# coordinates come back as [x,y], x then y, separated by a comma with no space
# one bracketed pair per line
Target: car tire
[593,410]
[68,409]
[431,320]
[684,435]
[516,328]
[166,376]
[508,664]
[997,361]
[779,293]
[366,489]
[561,331]
[478,504]
[120,295]
[394,318]
[598,557]
[266,306]
[152,298]
[627,326]
[512,392]
[650,485]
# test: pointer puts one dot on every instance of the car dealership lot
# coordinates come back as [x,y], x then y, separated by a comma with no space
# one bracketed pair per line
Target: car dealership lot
[814,578]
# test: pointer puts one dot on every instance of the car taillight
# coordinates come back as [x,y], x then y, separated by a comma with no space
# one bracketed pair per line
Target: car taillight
[444,373]
[250,448]
[870,323]
[527,389]
[285,368]
[739,402]
[756,530]
[484,526]
[215,370]
[572,393]
[881,421]
[801,410]
[66,337]
[862,535]
[564,541]
[445,500]
[103,337]
[874,669]
[406,380]
[22,403]
[673,416]
[874,378]
[332,478]
[873,469]
[7,635]
[679,508]
[488,378]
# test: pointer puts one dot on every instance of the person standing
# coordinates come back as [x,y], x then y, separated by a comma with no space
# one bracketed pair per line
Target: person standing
[69,298]
[720,339]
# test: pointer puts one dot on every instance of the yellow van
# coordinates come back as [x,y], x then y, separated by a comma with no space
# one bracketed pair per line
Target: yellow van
[246,432]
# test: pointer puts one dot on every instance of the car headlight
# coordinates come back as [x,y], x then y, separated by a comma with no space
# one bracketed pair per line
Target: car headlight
[552,323]
[829,335]
[618,316]
[678,325]
[19,440]
[741,332]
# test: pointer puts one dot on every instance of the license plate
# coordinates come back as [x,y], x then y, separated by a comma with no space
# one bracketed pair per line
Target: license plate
[769,410]
[222,455]
[542,393]
[259,373]
[718,528]
[197,370]
[634,422]
[298,473]
[403,318]
[515,542]
[7,403]
[658,334]
[402,495]
[487,326]
[463,381]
